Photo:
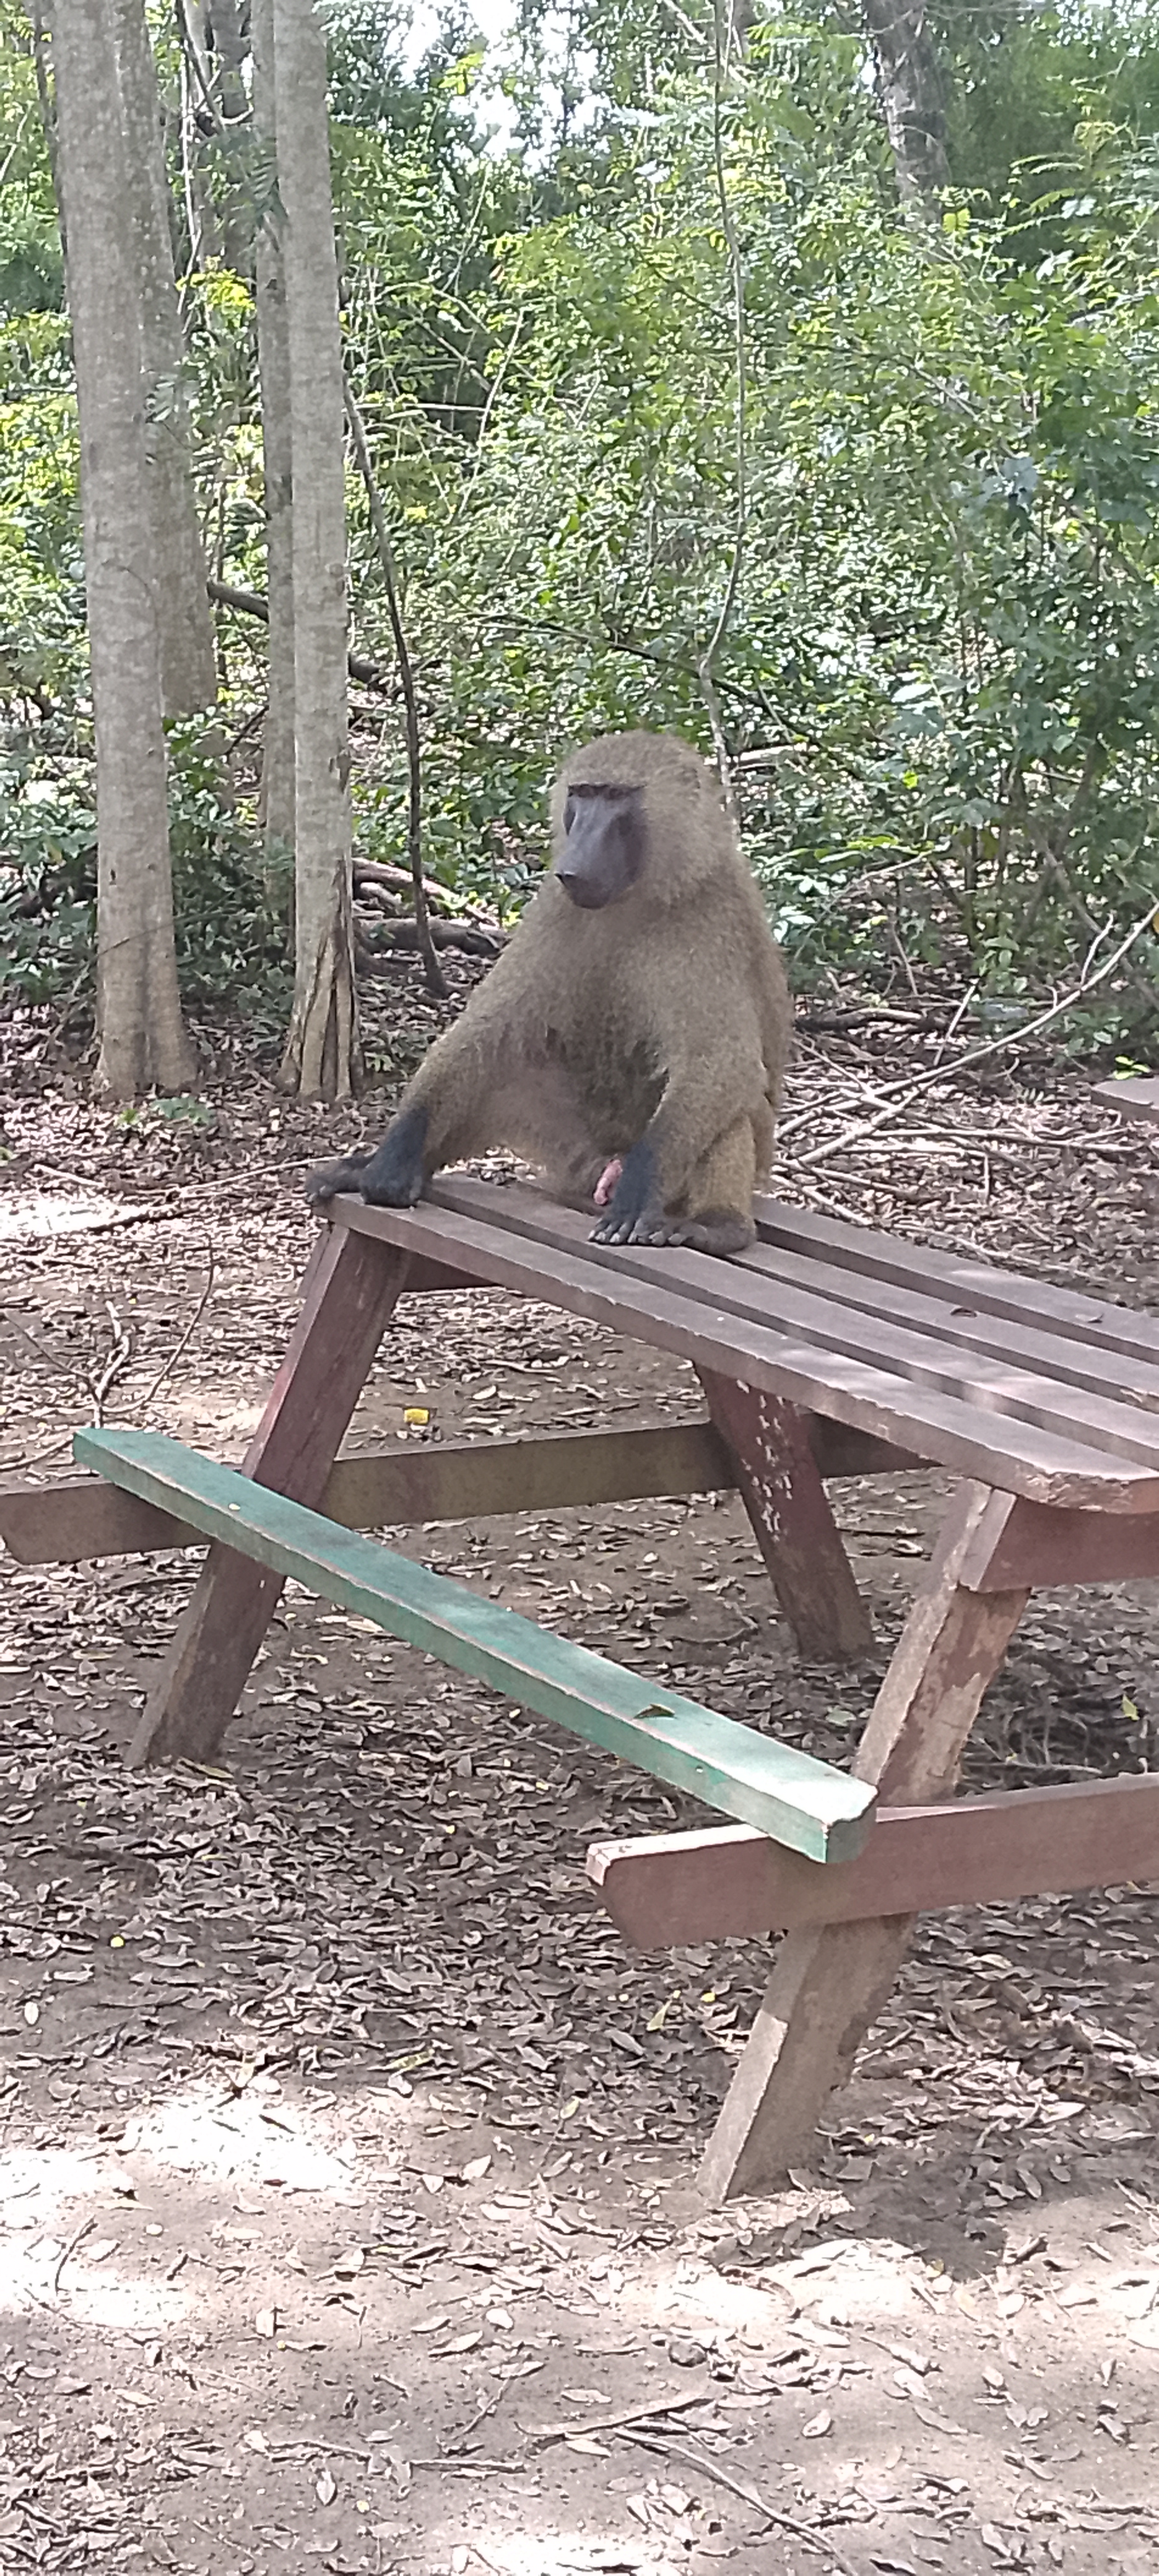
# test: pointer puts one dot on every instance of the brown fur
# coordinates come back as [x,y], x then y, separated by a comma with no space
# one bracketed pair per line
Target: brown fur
[659,1022]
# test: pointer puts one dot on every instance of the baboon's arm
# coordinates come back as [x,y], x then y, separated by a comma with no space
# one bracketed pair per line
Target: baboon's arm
[717,1077]
[446,1113]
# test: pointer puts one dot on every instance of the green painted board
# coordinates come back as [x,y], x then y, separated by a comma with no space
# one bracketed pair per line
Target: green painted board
[787,1795]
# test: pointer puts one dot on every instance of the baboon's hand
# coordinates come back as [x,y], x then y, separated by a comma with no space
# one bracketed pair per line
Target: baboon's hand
[392,1176]
[334,1178]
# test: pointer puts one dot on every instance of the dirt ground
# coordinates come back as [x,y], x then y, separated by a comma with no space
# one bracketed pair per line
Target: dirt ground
[348,2211]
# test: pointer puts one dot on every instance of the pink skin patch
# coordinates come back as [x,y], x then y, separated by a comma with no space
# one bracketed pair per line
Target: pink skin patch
[605,1188]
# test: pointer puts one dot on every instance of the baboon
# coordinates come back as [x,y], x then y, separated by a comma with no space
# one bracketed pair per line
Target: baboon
[632,1037]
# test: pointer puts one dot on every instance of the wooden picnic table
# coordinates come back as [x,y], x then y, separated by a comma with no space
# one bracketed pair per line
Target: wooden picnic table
[826,1350]
[1135,1095]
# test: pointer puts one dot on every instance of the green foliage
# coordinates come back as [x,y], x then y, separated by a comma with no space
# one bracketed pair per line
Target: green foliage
[939,682]
[231,939]
[47,884]
[231,934]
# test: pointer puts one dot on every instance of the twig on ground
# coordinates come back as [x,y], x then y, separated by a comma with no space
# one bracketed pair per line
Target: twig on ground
[187,1335]
[616,2423]
[77,2237]
[809,2533]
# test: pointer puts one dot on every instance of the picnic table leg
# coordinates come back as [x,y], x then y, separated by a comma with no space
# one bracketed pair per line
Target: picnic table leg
[784,1495]
[352,1285]
[830,1980]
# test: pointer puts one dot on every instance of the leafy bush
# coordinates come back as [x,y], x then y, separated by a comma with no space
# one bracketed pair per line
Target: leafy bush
[230,929]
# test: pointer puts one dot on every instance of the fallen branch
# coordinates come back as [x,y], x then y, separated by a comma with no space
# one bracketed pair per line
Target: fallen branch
[403,937]
[376,872]
[909,1088]
[250,603]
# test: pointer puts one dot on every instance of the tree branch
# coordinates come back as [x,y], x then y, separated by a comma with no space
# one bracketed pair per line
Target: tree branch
[252,603]
[908,1090]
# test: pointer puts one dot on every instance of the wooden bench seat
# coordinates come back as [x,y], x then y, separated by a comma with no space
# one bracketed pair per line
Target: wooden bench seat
[805,1804]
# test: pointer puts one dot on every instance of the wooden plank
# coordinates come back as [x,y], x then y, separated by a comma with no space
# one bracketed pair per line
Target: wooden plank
[764,1296]
[789,1795]
[1018,1543]
[85,1518]
[64,1524]
[828,1252]
[1037,1302]
[995,1447]
[730,1884]
[1136,1096]
[788,1508]
[462,1480]
[830,1980]
[352,1290]
[945,1318]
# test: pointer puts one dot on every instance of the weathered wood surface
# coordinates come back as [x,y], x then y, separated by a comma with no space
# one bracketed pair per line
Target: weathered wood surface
[830,1980]
[1016,1543]
[1136,1096]
[806,1803]
[978,1286]
[646,1294]
[788,1508]
[445,1480]
[352,1289]
[1049,1376]
[727,1883]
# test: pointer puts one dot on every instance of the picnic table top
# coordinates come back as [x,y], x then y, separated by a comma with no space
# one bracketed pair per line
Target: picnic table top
[1036,1390]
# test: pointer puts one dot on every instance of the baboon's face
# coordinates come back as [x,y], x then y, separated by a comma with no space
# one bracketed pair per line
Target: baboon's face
[603,846]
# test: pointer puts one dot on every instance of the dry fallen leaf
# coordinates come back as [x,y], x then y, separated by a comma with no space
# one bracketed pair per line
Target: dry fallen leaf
[816,2426]
[325,2487]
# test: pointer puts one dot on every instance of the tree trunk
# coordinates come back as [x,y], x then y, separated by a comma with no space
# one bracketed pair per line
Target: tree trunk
[274,372]
[912,96]
[188,659]
[321,1046]
[142,1040]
